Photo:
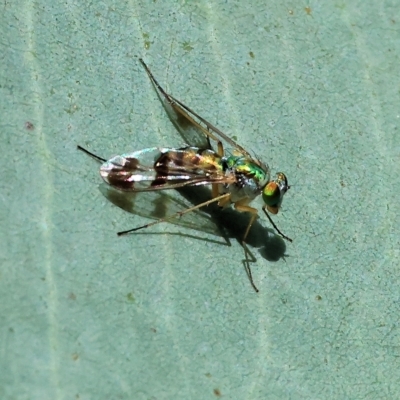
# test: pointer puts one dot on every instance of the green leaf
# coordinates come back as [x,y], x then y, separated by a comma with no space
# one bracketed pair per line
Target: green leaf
[312,89]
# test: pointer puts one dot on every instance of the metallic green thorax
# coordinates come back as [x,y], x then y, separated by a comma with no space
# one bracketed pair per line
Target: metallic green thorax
[244,166]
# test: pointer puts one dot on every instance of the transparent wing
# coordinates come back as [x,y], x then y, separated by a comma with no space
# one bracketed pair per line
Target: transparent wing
[226,224]
[159,204]
[195,130]
[162,168]
[210,127]
[191,132]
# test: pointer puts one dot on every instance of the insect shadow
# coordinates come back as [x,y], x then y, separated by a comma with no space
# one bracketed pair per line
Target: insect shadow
[225,224]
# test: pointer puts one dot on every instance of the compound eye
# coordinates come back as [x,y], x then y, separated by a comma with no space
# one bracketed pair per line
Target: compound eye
[272,197]
[273,193]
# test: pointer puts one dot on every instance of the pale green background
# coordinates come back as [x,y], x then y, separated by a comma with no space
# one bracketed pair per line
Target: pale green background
[85,314]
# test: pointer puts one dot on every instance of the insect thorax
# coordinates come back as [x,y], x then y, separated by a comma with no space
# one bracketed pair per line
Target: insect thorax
[251,177]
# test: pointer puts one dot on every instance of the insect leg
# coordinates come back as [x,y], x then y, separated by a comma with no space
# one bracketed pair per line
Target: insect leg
[246,263]
[254,214]
[178,214]
[252,211]
[215,190]
[220,149]
[220,146]
[275,227]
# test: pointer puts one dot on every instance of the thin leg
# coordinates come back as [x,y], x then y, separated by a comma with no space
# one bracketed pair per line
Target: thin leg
[178,214]
[209,143]
[91,154]
[247,268]
[220,146]
[215,190]
[220,149]
[224,202]
[254,214]
[275,227]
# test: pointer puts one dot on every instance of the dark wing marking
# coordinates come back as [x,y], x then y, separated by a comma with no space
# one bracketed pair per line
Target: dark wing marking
[162,168]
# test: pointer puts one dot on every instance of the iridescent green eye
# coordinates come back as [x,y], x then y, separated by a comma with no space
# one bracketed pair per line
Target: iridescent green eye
[273,193]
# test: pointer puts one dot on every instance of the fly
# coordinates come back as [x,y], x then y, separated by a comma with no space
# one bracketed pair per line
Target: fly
[235,179]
